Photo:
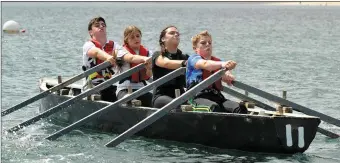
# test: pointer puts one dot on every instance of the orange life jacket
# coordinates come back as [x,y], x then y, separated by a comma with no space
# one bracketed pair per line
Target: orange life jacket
[206,74]
[105,73]
[141,75]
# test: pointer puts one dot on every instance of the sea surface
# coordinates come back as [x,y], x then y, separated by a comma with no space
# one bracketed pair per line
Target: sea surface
[292,48]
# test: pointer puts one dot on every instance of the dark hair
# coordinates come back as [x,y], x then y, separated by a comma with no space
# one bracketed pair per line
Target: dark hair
[95,20]
[161,43]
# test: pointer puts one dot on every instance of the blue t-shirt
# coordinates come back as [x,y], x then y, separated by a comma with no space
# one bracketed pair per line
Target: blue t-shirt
[193,75]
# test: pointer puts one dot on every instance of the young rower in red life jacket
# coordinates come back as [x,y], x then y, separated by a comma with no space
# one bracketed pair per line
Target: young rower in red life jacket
[132,43]
[100,49]
[200,66]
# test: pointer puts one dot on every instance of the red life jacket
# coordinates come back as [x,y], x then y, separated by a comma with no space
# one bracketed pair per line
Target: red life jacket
[141,75]
[105,73]
[108,48]
[206,74]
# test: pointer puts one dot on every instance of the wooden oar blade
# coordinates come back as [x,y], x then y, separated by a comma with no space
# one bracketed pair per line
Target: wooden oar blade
[55,88]
[163,111]
[280,100]
[114,105]
[78,97]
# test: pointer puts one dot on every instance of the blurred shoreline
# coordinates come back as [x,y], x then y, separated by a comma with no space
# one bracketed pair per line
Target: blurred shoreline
[304,3]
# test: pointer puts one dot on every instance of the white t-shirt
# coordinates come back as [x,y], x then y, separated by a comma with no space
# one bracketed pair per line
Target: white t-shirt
[89,44]
[127,83]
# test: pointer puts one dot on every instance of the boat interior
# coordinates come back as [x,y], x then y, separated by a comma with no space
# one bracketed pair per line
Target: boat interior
[253,109]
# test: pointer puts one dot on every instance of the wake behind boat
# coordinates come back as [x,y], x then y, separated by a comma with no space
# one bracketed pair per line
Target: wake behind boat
[257,131]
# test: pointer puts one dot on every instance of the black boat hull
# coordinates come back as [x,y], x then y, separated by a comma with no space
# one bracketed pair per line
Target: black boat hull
[270,134]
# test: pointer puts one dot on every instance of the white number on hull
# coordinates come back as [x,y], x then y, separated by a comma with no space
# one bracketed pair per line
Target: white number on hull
[301,137]
[301,140]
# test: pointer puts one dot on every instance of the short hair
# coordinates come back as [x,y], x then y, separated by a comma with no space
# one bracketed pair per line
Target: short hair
[129,30]
[95,20]
[197,37]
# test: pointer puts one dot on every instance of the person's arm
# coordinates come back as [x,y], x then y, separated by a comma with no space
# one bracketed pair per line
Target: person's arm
[208,65]
[164,62]
[149,66]
[95,52]
[149,72]
[214,65]
[128,57]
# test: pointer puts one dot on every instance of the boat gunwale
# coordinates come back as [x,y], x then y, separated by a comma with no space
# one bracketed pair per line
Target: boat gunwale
[43,82]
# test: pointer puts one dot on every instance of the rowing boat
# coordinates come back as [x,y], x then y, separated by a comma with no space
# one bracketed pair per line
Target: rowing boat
[258,131]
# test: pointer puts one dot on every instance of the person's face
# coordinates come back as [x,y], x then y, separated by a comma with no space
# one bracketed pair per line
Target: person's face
[204,46]
[98,30]
[134,40]
[171,36]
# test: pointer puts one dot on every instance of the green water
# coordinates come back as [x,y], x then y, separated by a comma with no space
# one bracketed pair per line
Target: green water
[293,48]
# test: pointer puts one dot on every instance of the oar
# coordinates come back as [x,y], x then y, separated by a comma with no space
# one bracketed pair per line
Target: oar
[163,111]
[115,105]
[247,98]
[88,92]
[280,100]
[56,88]
[267,107]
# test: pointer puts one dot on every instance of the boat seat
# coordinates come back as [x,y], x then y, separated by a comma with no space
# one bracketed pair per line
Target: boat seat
[136,103]
[74,92]
[94,97]
[64,91]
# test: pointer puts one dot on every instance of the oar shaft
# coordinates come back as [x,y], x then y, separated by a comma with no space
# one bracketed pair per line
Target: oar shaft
[280,100]
[244,97]
[55,88]
[79,97]
[115,104]
[328,133]
[267,107]
[163,111]
[80,76]
[25,103]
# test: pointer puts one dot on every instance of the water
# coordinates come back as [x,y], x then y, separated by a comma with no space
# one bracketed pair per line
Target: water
[293,48]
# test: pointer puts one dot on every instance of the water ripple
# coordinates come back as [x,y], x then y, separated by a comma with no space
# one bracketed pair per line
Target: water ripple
[277,48]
